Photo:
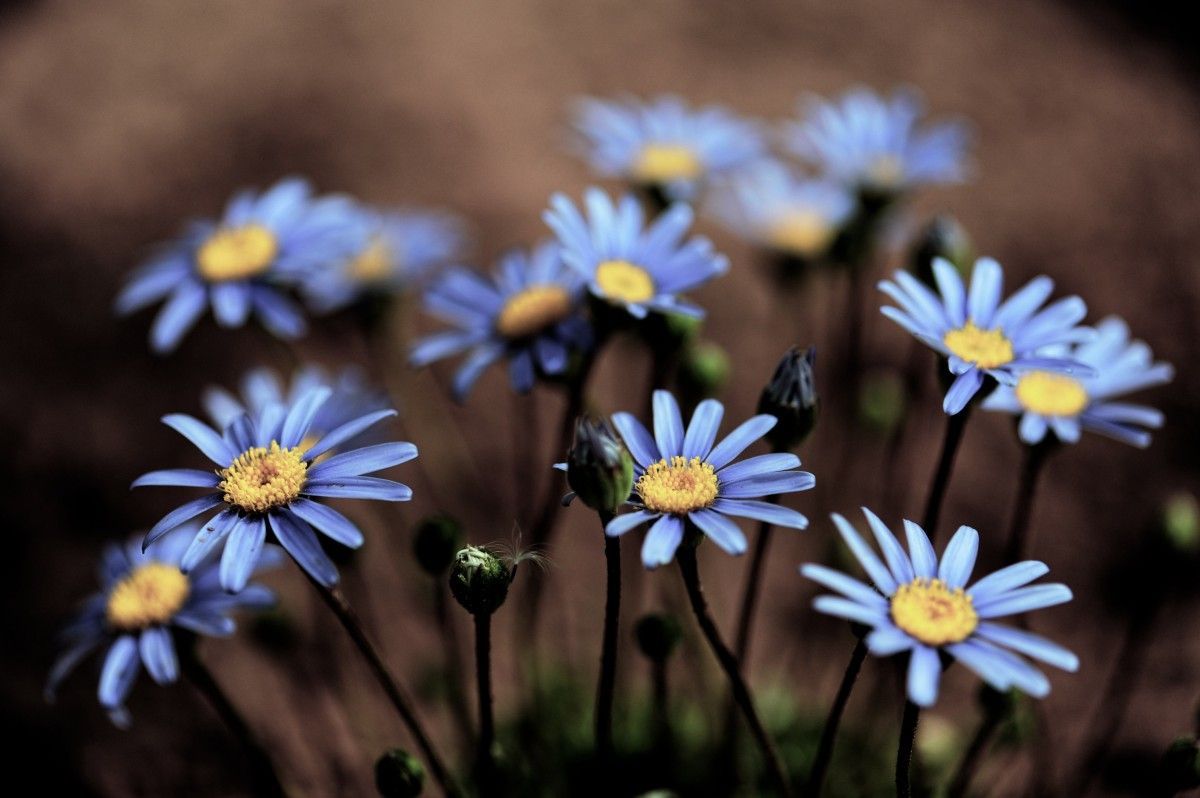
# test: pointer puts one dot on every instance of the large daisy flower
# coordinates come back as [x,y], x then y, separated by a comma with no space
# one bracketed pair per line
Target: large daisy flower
[529,312]
[625,262]
[922,606]
[143,596]
[266,480]
[682,478]
[980,335]
[1065,405]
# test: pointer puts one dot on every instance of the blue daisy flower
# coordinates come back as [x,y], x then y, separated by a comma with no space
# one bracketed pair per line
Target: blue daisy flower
[1065,405]
[628,264]
[769,205]
[393,251]
[243,263]
[682,478]
[266,479]
[876,144]
[980,335]
[664,143]
[924,607]
[527,312]
[143,596]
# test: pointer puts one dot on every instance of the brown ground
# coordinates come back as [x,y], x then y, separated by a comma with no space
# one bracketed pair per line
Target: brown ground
[119,120]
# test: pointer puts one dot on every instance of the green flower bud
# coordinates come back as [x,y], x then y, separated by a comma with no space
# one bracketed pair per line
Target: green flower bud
[1181,521]
[435,542]
[657,636]
[599,467]
[479,580]
[791,396]
[1180,768]
[703,371]
[881,401]
[945,238]
[399,774]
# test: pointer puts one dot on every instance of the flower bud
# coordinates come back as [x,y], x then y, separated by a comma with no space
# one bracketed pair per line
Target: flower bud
[599,468]
[945,238]
[657,636]
[479,580]
[882,401]
[1181,521]
[703,371]
[435,542]
[399,774]
[791,397]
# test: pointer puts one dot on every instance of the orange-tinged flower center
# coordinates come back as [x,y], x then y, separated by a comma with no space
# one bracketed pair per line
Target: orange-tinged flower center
[532,310]
[263,478]
[236,253]
[151,594]
[678,485]
[933,613]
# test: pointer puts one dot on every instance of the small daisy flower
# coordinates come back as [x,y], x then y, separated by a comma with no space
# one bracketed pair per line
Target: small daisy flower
[143,597]
[770,206]
[924,607]
[682,478]
[628,264]
[876,144]
[1065,405]
[663,143]
[244,262]
[266,480]
[980,335]
[393,251]
[529,312]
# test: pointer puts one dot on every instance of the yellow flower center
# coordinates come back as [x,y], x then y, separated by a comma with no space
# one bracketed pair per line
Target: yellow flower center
[151,594]
[622,281]
[532,310]
[235,253]
[263,478]
[373,264]
[663,163]
[800,232]
[933,613]
[678,486]
[1051,394]
[987,349]
[887,171]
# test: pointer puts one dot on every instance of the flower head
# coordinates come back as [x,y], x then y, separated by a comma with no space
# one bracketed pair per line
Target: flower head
[980,335]
[479,580]
[682,477]
[625,262]
[1066,404]
[599,468]
[528,311]
[143,596]
[269,478]
[244,262]
[664,143]
[877,144]
[924,607]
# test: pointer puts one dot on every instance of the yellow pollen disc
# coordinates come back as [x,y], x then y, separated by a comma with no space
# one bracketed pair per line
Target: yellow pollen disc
[933,613]
[622,281]
[263,478]
[987,349]
[1051,394]
[532,310]
[235,253]
[149,595]
[678,486]
[373,264]
[663,163]
[800,232]
[887,171]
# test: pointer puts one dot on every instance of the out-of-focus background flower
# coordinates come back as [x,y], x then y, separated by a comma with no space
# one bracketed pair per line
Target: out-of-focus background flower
[118,121]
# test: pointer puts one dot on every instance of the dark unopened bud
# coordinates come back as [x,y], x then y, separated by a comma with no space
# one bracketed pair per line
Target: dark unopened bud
[945,238]
[1180,769]
[599,468]
[657,636]
[399,774]
[435,542]
[479,580]
[703,371]
[791,397]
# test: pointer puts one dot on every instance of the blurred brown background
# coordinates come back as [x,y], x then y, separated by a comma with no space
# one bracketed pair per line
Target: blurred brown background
[120,120]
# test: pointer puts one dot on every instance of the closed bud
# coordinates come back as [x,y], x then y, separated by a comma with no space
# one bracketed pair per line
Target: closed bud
[882,401]
[399,774]
[791,396]
[599,468]
[435,542]
[945,238]
[1181,522]
[479,580]
[703,371]
[657,636]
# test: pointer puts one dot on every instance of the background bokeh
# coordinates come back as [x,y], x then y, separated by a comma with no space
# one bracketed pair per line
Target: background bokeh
[120,120]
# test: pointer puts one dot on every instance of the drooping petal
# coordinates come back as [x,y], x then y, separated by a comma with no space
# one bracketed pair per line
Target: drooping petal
[119,671]
[158,654]
[299,540]
[241,552]
[721,530]
[328,521]
[924,673]
[661,541]
[1030,645]
[629,521]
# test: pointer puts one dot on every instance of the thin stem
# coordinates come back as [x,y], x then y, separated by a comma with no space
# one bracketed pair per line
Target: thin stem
[1017,547]
[484,763]
[391,687]
[908,735]
[753,586]
[690,571]
[262,771]
[974,755]
[829,733]
[608,657]
[941,477]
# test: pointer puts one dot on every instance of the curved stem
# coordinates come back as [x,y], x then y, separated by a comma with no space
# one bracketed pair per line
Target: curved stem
[690,571]
[974,755]
[941,477]
[485,766]
[391,687]
[1017,546]
[908,735]
[829,733]
[608,656]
